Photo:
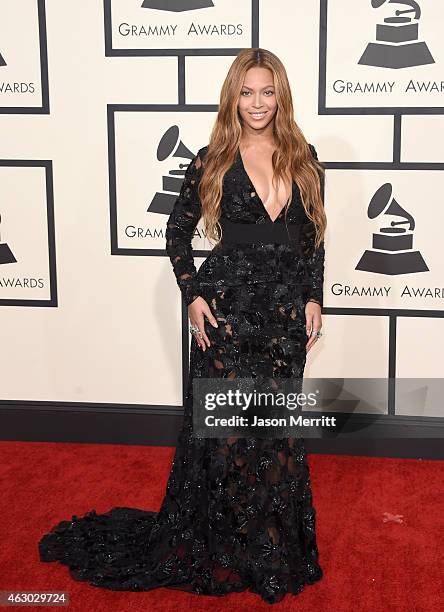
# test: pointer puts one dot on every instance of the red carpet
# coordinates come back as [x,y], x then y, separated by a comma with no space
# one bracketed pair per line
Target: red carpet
[369,564]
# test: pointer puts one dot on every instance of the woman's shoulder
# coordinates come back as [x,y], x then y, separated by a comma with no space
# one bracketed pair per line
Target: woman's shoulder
[313,151]
[201,152]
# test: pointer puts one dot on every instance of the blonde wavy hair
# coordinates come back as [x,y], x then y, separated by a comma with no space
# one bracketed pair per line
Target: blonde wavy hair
[292,156]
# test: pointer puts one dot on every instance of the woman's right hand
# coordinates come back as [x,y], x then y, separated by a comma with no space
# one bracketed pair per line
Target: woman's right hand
[197,310]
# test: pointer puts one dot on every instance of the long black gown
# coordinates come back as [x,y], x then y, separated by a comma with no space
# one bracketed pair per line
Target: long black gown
[238,513]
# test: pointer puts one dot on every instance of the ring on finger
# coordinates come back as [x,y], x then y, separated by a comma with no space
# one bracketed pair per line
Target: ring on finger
[195,330]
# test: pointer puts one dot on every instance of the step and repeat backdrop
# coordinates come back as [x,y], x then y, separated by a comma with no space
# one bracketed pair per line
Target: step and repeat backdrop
[102,105]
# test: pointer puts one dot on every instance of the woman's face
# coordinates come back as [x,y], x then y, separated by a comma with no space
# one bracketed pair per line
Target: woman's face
[257,102]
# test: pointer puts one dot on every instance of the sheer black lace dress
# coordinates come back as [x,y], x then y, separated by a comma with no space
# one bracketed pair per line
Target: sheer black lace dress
[238,512]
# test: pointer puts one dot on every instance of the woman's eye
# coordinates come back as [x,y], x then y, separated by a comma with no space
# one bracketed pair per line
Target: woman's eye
[269,91]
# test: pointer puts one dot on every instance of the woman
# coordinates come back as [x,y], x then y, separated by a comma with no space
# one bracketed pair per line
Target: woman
[238,512]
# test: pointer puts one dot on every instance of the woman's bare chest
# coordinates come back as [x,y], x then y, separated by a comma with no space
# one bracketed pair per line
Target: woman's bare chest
[257,170]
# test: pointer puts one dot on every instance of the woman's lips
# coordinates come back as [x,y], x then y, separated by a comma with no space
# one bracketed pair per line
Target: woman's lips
[258,116]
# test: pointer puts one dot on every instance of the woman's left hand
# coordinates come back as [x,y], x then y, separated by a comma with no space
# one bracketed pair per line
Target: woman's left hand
[313,322]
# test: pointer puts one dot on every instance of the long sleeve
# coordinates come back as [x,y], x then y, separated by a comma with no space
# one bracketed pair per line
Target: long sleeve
[314,258]
[180,230]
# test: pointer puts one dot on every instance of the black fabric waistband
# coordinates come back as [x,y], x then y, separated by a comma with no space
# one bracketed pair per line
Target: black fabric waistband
[258,232]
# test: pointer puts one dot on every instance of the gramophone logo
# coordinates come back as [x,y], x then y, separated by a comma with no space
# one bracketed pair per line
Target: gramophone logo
[6,255]
[170,145]
[2,61]
[177,6]
[392,251]
[397,43]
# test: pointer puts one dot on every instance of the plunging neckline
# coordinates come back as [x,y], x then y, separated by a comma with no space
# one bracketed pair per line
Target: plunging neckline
[256,191]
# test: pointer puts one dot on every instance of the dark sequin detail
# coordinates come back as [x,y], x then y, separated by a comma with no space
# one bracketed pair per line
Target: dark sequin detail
[238,512]
[233,265]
